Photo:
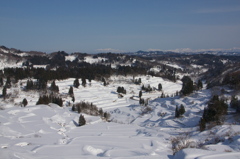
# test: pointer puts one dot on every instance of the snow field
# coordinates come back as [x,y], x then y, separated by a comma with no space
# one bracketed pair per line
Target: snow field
[50,131]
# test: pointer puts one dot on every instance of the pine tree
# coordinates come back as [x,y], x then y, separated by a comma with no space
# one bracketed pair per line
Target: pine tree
[140,94]
[141,101]
[159,86]
[187,86]
[54,87]
[181,110]
[82,120]
[24,102]
[100,112]
[106,116]
[76,83]
[29,84]
[84,82]
[4,91]
[162,95]
[70,92]
[8,82]
[1,81]
[139,81]
[177,114]
[199,84]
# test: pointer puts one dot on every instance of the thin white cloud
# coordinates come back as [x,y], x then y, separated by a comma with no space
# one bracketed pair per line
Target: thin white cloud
[219,10]
[109,50]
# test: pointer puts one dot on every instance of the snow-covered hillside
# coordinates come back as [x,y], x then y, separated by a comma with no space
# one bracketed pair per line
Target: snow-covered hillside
[50,131]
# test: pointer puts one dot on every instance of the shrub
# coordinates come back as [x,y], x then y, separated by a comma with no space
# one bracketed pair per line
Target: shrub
[24,102]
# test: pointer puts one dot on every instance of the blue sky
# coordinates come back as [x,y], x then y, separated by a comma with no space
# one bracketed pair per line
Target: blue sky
[119,25]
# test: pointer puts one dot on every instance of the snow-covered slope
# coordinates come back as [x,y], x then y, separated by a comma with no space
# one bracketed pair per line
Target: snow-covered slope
[50,131]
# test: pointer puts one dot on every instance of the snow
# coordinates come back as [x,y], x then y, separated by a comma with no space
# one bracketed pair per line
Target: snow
[50,131]
[4,63]
[70,58]
[3,50]
[90,59]
[39,66]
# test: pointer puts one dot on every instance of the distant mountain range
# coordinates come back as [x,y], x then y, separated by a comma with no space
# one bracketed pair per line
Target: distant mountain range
[228,52]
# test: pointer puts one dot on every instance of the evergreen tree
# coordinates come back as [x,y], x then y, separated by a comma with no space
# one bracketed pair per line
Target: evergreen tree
[29,84]
[1,81]
[159,86]
[81,121]
[54,87]
[187,86]
[106,116]
[24,102]
[181,110]
[199,84]
[162,95]
[4,91]
[140,94]
[70,92]
[215,110]
[100,112]
[8,82]
[177,114]
[84,82]
[76,83]
[139,81]
[141,101]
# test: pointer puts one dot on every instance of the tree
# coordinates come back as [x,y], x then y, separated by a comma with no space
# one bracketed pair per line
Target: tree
[54,87]
[215,110]
[84,82]
[140,94]
[159,86]
[199,84]
[24,102]
[81,121]
[106,115]
[177,114]
[141,101]
[187,86]
[139,80]
[162,95]
[181,110]
[1,81]
[70,92]
[8,82]
[4,91]
[100,112]
[121,90]
[76,83]
[29,84]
